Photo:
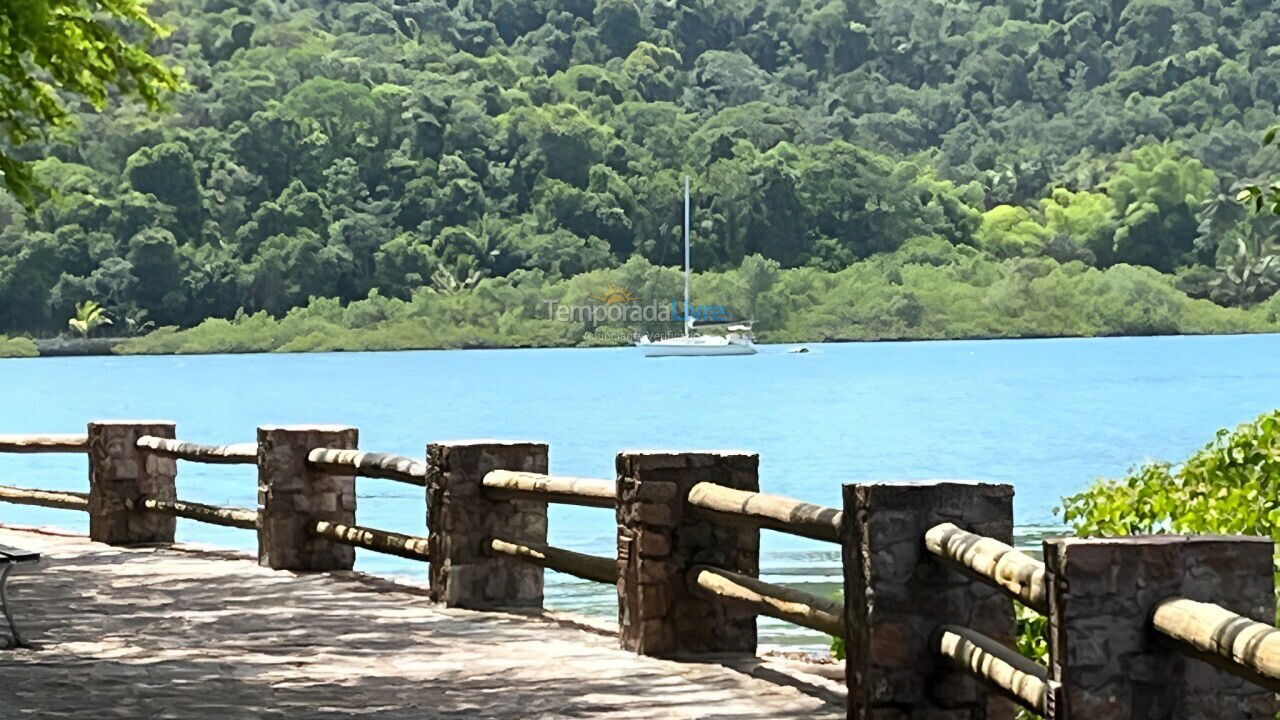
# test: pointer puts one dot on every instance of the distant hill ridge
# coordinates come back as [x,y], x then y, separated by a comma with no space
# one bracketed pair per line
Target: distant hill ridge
[329,149]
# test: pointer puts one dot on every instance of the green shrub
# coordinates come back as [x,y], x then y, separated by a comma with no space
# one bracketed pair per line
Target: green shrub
[1230,486]
[927,289]
[1032,633]
[17,347]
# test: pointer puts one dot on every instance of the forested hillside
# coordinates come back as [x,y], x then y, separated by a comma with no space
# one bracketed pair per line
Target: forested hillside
[462,147]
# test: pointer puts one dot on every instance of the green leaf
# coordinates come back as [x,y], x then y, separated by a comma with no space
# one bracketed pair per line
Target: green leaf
[71,50]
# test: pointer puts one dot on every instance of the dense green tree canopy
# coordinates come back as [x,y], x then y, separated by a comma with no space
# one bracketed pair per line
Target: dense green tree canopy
[334,149]
[57,52]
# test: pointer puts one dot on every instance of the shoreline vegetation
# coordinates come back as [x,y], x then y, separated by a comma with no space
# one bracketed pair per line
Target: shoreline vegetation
[928,289]
[386,175]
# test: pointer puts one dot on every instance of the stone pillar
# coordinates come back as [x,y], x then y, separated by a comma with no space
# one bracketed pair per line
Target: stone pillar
[896,594]
[460,519]
[292,496]
[121,475]
[1109,662]
[658,541]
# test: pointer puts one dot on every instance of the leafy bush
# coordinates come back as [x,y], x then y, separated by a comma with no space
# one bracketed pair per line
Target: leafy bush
[1230,486]
[927,289]
[17,347]
[1031,629]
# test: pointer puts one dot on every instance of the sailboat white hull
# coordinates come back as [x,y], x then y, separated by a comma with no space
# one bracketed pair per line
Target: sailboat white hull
[692,345]
[695,346]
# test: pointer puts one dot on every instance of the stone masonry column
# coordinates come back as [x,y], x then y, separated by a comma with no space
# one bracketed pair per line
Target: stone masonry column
[292,496]
[460,519]
[896,594]
[1111,665]
[121,475]
[658,541]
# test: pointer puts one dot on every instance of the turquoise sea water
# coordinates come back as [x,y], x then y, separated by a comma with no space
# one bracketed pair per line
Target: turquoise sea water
[1044,415]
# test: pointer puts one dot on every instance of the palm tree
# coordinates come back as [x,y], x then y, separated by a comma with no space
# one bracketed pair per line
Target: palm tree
[1251,274]
[89,316]
[459,280]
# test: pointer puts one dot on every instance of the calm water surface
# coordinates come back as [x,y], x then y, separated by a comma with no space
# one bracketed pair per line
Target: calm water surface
[1044,415]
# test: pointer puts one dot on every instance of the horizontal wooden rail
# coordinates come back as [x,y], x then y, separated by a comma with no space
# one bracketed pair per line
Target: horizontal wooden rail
[44,443]
[1013,571]
[775,512]
[383,541]
[1018,678]
[1222,638]
[235,454]
[775,601]
[587,567]
[370,464]
[590,492]
[60,499]
[235,517]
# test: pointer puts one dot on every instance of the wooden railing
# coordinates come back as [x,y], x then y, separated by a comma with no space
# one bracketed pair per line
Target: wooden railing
[151,446]
[1019,575]
[243,518]
[384,466]
[1205,631]
[580,565]
[738,507]
[1015,676]
[930,574]
[720,504]
[58,499]
[508,485]
[774,512]
[1222,638]
[44,443]
[370,465]
[383,541]
[762,598]
[586,492]
[237,454]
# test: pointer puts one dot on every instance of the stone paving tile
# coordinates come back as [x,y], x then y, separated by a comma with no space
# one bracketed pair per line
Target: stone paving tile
[182,632]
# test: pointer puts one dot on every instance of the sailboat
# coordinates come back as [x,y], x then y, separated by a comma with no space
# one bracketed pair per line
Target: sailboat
[737,339]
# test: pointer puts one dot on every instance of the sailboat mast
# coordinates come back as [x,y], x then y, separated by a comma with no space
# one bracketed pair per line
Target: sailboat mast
[686,256]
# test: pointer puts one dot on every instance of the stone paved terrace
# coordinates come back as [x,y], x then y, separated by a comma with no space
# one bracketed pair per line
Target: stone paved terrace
[186,632]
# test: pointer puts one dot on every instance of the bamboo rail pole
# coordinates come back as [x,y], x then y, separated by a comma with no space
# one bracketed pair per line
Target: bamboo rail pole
[1222,638]
[794,606]
[774,512]
[587,567]
[383,541]
[588,492]
[1016,573]
[60,499]
[44,443]
[369,464]
[235,454]
[236,517]
[1016,677]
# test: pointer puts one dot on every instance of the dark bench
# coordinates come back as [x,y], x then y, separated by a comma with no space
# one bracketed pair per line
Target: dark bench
[11,557]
